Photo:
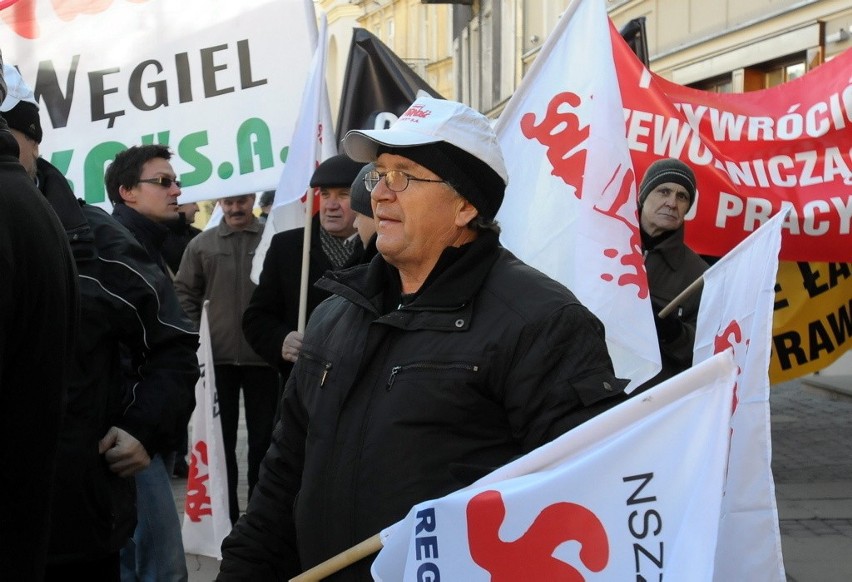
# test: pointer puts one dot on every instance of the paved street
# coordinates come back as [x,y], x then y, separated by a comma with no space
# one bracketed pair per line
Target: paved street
[812,463]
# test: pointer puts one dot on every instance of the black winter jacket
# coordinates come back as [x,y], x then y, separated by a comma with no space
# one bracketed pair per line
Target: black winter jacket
[126,302]
[385,410]
[38,322]
[273,310]
[672,267]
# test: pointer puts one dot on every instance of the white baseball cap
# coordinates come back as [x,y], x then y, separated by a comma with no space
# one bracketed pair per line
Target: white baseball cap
[17,89]
[429,120]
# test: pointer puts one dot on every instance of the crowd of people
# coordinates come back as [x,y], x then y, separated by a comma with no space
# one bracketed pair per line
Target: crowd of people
[431,355]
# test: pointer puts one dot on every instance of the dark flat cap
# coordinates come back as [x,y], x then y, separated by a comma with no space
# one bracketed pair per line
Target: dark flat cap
[336,172]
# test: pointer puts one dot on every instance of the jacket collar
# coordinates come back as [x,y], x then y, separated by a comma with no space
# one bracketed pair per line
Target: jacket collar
[451,289]
[672,249]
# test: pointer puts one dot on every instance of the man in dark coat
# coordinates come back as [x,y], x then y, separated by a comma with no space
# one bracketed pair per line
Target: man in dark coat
[271,320]
[666,194]
[108,433]
[38,324]
[441,359]
[143,187]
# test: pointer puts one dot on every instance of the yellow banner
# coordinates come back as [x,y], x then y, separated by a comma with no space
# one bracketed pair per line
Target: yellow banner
[812,323]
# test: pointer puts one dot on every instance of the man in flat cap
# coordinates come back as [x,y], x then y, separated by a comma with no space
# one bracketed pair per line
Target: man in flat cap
[270,322]
[666,194]
[441,359]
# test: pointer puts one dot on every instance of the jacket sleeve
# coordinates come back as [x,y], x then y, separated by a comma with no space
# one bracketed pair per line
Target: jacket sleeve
[190,282]
[265,322]
[560,376]
[159,340]
[262,545]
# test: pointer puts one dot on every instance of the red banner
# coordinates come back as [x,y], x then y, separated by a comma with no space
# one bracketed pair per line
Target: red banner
[753,153]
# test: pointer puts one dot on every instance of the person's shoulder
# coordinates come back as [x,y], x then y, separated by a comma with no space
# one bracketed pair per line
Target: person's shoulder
[288,237]
[523,288]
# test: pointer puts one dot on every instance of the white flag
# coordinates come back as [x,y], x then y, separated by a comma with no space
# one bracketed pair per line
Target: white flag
[206,520]
[631,494]
[313,141]
[736,311]
[570,208]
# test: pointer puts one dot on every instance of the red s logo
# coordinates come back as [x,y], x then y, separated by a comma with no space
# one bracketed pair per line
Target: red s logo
[530,556]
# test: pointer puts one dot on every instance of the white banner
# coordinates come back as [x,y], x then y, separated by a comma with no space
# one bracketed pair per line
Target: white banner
[217,81]
[312,142]
[570,208]
[632,494]
[736,312]
[206,520]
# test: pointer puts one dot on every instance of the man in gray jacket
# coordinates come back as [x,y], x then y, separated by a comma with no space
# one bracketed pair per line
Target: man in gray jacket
[216,267]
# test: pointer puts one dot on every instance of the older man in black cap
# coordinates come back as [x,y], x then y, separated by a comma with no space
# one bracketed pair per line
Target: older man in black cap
[666,194]
[270,322]
[442,358]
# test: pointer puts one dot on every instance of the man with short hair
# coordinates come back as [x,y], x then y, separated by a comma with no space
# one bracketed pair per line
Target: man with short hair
[270,322]
[441,359]
[666,194]
[216,267]
[144,188]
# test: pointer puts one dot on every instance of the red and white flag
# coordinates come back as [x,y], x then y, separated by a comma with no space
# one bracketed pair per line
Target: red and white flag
[736,312]
[313,141]
[632,494]
[570,208]
[206,519]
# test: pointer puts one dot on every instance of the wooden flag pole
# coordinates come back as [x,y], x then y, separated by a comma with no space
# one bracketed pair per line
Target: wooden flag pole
[341,560]
[693,287]
[306,261]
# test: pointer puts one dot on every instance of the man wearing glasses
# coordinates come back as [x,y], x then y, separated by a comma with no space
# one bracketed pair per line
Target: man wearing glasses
[143,188]
[440,360]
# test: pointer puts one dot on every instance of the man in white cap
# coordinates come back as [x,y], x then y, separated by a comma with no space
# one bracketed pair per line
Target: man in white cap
[441,359]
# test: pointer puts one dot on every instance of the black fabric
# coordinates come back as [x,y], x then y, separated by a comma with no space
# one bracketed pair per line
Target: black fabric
[150,234]
[174,244]
[359,196]
[336,172]
[24,118]
[38,328]
[94,510]
[376,82]
[492,360]
[273,310]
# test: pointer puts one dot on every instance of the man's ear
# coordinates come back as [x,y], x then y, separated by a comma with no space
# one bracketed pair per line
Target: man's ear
[127,194]
[466,212]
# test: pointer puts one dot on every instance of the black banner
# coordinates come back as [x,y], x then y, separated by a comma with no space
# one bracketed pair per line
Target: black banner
[633,34]
[377,81]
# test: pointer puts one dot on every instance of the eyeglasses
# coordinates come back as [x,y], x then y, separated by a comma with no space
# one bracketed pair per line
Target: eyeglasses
[162,181]
[395,180]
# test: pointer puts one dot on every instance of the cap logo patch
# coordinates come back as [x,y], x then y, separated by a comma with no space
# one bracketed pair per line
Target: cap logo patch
[417,112]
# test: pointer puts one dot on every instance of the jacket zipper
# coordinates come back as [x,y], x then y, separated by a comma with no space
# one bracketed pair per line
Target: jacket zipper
[429,366]
[326,365]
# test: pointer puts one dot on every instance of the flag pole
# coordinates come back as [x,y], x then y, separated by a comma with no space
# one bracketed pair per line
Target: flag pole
[693,287]
[342,560]
[306,261]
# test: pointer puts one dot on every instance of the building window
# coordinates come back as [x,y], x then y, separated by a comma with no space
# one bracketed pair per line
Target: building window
[721,84]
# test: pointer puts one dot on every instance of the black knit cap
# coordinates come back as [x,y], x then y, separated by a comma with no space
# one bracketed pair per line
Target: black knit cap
[359,196]
[336,172]
[667,170]
[468,175]
[24,118]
